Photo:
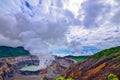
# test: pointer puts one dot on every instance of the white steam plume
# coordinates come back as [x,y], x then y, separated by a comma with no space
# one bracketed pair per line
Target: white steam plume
[34,26]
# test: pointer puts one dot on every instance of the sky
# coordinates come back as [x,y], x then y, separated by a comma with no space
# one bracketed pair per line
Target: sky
[60,27]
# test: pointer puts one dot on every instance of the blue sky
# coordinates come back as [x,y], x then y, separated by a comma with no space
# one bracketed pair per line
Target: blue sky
[77,27]
[86,50]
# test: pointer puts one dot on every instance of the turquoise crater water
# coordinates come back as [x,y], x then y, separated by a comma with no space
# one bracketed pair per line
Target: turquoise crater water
[29,68]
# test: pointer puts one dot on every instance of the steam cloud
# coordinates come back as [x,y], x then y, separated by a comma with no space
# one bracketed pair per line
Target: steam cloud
[39,24]
[35,27]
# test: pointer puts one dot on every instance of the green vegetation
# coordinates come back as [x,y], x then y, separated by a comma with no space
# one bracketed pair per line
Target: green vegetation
[12,52]
[62,78]
[78,58]
[112,77]
[69,79]
[107,52]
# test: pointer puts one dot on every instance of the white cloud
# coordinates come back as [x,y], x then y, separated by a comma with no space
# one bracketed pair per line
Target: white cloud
[73,5]
[18,23]
[26,22]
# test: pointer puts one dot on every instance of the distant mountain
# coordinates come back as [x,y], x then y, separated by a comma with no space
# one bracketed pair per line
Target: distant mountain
[104,65]
[78,58]
[6,51]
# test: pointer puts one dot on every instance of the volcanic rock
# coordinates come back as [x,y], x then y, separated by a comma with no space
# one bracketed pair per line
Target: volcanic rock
[94,69]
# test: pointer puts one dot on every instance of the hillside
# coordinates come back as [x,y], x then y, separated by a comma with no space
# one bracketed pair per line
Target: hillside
[107,52]
[6,51]
[78,58]
[104,65]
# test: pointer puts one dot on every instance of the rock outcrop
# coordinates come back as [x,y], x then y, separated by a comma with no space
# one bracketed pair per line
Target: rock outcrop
[6,71]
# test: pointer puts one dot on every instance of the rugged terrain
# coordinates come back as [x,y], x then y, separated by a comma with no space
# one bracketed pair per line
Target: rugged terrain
[97,67]
[10,68]
[101,66]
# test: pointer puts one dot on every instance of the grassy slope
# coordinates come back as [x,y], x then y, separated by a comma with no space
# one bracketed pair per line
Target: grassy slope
[78,58]
[12,52]
[107,52]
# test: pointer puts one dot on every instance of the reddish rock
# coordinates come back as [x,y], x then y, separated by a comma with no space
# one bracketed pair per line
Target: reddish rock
[43,71]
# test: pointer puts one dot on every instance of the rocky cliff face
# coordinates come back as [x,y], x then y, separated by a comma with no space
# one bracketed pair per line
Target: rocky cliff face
[6,71]
[94,69]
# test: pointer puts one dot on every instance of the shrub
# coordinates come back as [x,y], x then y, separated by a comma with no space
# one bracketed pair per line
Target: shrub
[62,78]
[112,77]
